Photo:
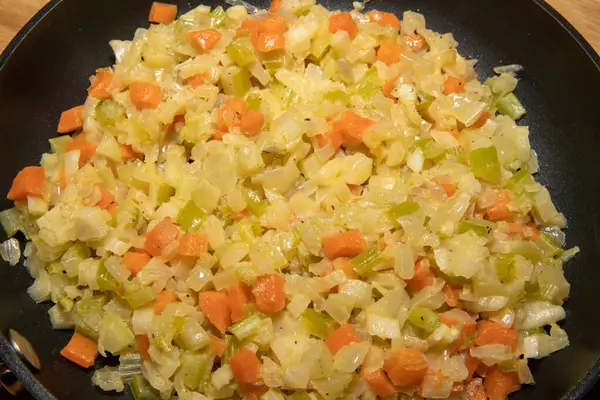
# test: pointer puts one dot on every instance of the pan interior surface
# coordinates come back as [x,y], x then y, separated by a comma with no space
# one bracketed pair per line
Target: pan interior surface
[48,72]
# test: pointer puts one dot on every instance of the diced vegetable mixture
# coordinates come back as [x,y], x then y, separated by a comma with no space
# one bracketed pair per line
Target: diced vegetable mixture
[295,203]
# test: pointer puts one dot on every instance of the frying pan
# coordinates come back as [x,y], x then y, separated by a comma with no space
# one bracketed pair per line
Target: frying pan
[45,70]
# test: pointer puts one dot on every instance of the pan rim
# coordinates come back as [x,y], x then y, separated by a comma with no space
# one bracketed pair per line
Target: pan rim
[38,390]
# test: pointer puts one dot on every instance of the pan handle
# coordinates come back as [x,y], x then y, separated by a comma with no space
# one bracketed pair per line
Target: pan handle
[27,354]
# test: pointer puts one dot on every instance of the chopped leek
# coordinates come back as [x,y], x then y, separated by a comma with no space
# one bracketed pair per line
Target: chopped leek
[235,81]
[141,389]
[364,263]
[316,323]
[403,209]
[249,326]
[485,165]
[190,217]
[273,61]
[241,50]
[10,251]
[510,106]
[480,227]
[58,144]
[219,16]
[424,318]
[195,369]
[506,267]
[108,112]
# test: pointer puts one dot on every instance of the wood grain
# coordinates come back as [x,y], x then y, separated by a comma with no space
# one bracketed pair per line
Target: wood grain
[583,14]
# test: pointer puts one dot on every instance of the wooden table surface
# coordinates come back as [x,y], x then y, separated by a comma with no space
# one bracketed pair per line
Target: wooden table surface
[584,14]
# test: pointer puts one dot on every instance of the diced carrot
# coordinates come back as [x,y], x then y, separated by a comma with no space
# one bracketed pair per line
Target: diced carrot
[451,294]
[341,337]
[128,153]
[497,212]
[192,245]
[80,350]
[471,363]
[423,276]
[70,120]
[384,19]
[498,384]
[356,190]
[382,243]
[346,244]
[275,6]
[205,39]
[30,181]
[239,215]
[231,114]
[238,295]
[354,127]
[475,390]
[143,344]
[145,95]
[415,42]
[217,344]
[268,34]
[106,199]
[160,302]
[161,238]
[449,188]
[198,80]
[253,392]
[268,293]
[389,87]
[344,264]
[490,332]
[247,26]
[527,232]
[389,52]
[112,208]
[62,177]
[86,149]
[343,22]
[252,122]
[405,367]
[101,85]
[334,137]
[162,13]
[458,387]
[216,308]
[453,85]
[245,366]
[482,120]
[380,384]
[135,262]
[464,323]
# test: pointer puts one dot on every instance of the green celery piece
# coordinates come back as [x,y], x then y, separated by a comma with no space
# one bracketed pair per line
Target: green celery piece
[424,100]
[288,96]
[299,396]
[338,95]
[108,111]
[241,50]
[254,202]
[127,214]
[190,217]
[430,148]
[510,106]
[320,42]
[232,346]
[91,304]
[480,227]
[273,61]
[424,318]
[403,209]
[370,84]
[328,64]
[535,331]
[117,335]
[170,328]
[105,280]
[88,314]
[140,297]
[317,324]
[235,81]
[364,263]
[548,246]
[195,369]
[218,16]
[141,389]
[66,304]
[249,326]
[519,180]
[55,268]
[528,250]
[509,365]
[485,165]
[253,100]
[73,256]
[506,268]
[58,144]
[164,193]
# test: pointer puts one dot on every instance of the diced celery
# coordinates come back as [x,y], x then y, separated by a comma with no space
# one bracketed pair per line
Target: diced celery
[115,334]
[328,64]
[273,61]
[338,95]
[66,304]
[480,227]
[55,268]
[288,96]
[253,100]
[320,42]
[364,263]
[195,369]
[11,221]
[316,323]
[232,346]
[506,267]
[169,328]
[247,327]
[254,202]
[241,50]
[510,106]
[88,315]
[141,389]
[519,180]
[424,318]
[29,226]
[299,396]
[527,249]
[105,280]
[218,17]
[430,148]
[369,85]
[127,214]
[403,209]
[424,100]
[164,193]
[548,246]
[58,144]
[190,217]
[91,304]
[140,297]
[535,331]
[74,255]
[485,165]
[511,365]
[235,81]
[108,111]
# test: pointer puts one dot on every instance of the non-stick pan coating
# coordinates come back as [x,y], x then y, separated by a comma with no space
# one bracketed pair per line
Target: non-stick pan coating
[46,68]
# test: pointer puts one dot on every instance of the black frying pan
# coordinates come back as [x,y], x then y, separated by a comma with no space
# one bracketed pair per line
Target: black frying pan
[45,70]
